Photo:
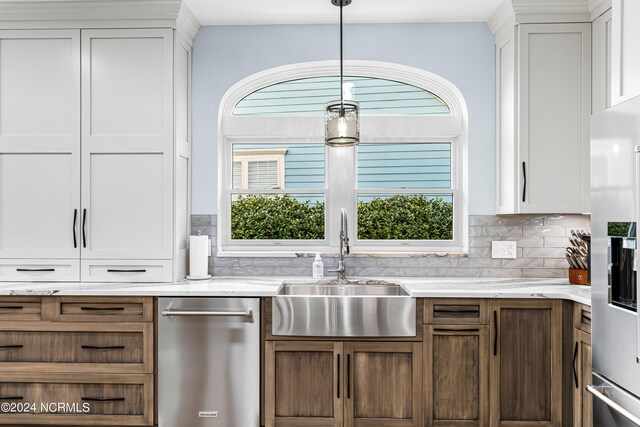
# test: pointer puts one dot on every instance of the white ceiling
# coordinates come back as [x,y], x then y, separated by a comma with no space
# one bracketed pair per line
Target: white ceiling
[254,12]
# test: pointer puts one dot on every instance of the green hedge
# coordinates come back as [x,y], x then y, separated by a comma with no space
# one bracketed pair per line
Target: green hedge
[405,217]
[410,217]
[276,217]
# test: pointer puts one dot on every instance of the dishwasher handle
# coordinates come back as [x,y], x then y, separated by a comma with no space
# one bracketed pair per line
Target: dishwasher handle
[169,312]
[597,391]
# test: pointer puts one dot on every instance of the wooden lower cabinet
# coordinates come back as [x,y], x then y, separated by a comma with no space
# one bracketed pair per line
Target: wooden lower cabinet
[456,366]
[526,363]
[581,365]
[77,361]
[343,384]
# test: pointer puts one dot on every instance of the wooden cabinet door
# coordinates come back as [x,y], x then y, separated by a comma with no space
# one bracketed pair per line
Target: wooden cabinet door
[526,363]
[582,400]
[383,384]
[456,372]
[303,383]
[39,148]
[127,140]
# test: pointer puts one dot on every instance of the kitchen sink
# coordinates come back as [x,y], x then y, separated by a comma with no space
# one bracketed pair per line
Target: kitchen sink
[344,308]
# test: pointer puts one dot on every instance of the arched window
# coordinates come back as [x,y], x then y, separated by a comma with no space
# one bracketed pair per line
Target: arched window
[404,186]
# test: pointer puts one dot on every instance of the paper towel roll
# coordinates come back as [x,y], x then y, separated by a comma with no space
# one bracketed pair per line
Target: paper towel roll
[198,257]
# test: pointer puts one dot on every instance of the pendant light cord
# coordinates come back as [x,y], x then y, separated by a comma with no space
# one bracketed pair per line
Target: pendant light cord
[341,84]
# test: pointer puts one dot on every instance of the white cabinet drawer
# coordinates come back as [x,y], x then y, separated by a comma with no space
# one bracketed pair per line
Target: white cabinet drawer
[39,270]
[126,270]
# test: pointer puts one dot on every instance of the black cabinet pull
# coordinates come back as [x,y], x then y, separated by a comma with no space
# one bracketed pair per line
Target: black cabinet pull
[338,376]
[11,397]
[456,330]
[75,220]
[114,270]
[11,346]
[586,319]
[103,399]
[348,376]
[84,232]
[102,308]
[11,307]
[103,347]
[575,371]
[35,269]
[495,333]
[524,186]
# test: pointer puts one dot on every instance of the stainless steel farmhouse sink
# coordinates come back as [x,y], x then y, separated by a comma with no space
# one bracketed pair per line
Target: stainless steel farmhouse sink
[344,308]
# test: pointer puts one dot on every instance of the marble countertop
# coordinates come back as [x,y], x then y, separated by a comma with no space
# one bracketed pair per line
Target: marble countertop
[268,286]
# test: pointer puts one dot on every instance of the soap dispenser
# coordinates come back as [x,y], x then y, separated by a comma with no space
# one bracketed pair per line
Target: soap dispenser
[318,267]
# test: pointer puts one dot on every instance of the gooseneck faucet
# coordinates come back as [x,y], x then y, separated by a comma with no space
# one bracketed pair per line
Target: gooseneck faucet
[344,246]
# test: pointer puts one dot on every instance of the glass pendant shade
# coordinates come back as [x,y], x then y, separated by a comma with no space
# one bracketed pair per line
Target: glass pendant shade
[342,123]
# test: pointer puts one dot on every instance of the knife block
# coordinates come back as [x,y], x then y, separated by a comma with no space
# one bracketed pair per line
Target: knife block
[578,277]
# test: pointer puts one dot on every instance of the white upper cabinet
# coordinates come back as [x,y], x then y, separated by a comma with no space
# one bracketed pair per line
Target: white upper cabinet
[601,65]
[127,144]
[39,148]
[625,55]
[544,102]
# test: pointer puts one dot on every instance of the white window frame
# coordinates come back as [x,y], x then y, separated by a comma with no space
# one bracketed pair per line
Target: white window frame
[340,187]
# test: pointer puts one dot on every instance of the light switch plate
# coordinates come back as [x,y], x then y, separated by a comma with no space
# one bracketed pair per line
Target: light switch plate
[503,249]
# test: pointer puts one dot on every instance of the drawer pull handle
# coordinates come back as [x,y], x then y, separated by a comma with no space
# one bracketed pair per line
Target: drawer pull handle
[458,310]
[11,346]
[103,347]
[114,270]
[11,307]
[102,308]
[35,269]
[103,399]
[75,220]
[11,397]
[456,330]
[586,318]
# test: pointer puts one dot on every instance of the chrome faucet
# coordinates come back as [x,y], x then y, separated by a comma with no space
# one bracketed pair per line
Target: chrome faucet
[344,246]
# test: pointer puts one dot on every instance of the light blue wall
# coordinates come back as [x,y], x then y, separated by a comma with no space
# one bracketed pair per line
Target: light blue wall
[463,53]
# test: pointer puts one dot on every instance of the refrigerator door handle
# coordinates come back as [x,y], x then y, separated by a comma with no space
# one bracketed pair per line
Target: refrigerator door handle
[597,391]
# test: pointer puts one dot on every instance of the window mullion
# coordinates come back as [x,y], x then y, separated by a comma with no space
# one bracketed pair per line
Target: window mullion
[340,166]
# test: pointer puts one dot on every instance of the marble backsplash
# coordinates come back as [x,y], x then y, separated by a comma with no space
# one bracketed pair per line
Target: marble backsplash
[541,242]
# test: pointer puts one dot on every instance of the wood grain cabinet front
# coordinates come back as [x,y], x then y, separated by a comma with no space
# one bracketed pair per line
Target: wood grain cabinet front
[347,384]
[77,360]
[581,367]
[87,400]
[526,363]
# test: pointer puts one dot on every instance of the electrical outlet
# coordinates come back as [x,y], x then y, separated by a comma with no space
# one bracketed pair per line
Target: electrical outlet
[503,249]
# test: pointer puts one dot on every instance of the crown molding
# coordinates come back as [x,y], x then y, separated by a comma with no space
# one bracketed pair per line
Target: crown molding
[91,13]
[502,20]
[512,12]
[187,24]
[598,7]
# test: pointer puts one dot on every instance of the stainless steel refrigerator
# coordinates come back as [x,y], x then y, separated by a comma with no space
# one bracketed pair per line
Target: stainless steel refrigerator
[615,172]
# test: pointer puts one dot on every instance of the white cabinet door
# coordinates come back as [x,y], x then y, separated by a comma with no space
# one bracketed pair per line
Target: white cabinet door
[625,63]
[554,105]
[601,66]
[506,160]
[127,144]
[39,144]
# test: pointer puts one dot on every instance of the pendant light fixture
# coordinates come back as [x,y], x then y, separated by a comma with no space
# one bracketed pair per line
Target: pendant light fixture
[342,118]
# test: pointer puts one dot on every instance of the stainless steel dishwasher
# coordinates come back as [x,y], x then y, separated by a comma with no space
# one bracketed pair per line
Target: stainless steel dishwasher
[208,362]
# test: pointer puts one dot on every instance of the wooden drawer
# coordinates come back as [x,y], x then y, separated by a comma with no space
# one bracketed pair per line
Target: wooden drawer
[452,311]
[71,347]
[102,309]
[582,317]
[20,308]
[67,347]
[49,270]
[137,271]
[87,400]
